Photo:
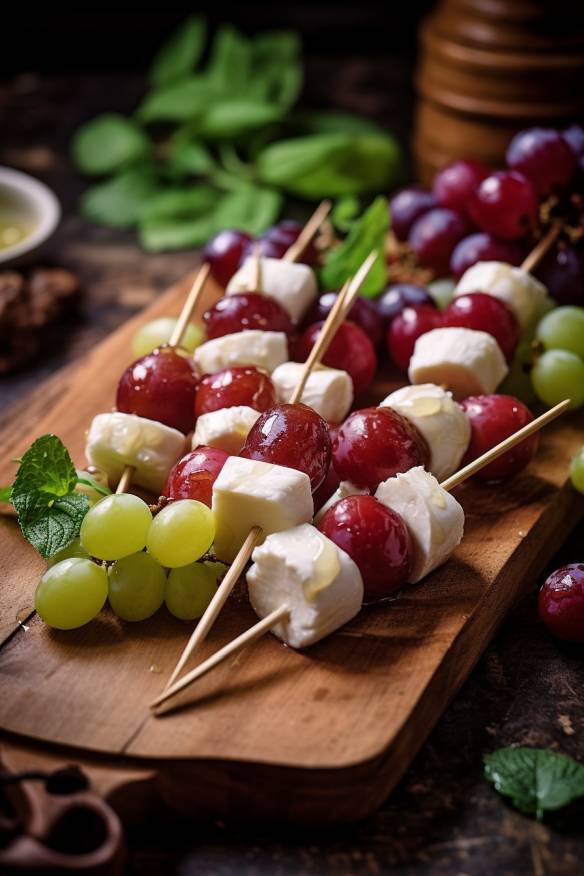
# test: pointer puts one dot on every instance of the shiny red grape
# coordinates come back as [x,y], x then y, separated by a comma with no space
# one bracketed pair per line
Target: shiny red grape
[483,247]
[562,271]
[492,419]
[377,540]
[223,253]
[193,476]
[363,313]
[561,602]
[406,328]
[454,185]
[544,157]
[350,350]
[374,444]
[485,313]
[160,386]
[230,387]
[505,204]
[434,236]
[246,310]
[407,206]
[332,480]
[294,436]
[399,295]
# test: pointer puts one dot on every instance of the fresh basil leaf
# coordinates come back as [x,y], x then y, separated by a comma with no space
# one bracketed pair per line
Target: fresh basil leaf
[344,211]
[6,493]
[176,203]
[179,102]
[277,74]
[333,122]
[51,529]
[108,143]
[249,208]
[88,481]
[366,234]
[180,54]
[170,233]
[537,780]
[188,156]
[234,117]
[119,201]
[230,61]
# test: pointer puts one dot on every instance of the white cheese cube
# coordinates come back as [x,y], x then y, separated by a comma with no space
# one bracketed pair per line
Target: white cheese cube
[249,493]
[440,420]
[328,391]
[292,284]
[435,520]
[345,488]
[116,440]
[318,582]
[226,429]
[525,296]
[265,350]
[463,360]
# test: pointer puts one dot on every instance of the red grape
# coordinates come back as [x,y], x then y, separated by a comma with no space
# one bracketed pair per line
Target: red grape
[483,247]
[561,602]
[376,539]
[544,157]
[562,271]
[374,444]
[454,185]
[399,295]
[294,436]
[492,419]
[485,313]
[363,313]
[193,476]
[230,387]
[505,204]
[406,328]
[574,137]
[350,350]
[407,206]
[223,253]
[246,310]
[433,237]
[160,386]
[329,486]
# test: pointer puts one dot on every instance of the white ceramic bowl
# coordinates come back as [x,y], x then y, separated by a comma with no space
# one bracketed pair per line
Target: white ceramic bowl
[32,204]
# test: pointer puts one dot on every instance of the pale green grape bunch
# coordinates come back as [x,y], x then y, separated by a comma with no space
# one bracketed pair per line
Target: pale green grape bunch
[181,533]
[136,587]
[71,593]
[190,589]
[158,332]
[559,372]
[577,471]
[116,527]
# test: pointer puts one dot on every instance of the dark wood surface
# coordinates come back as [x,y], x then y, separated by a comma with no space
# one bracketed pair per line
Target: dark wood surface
[443,819]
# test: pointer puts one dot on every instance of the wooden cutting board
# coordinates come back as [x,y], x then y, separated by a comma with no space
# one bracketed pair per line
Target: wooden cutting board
[318,736]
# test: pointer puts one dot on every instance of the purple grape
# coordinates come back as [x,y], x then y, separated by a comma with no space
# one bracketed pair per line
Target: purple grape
[562,271]
[407,206]
[544,157]
[483,247]
[399,295]
[363,312]
[574,137]
[433,237]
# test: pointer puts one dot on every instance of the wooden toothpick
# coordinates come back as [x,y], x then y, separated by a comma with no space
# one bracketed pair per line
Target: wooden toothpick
[538,252]
[125,479]
[294,252]
[189,306]
[256,280]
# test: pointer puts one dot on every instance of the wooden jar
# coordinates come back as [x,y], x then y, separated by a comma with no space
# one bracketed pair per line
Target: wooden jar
[487,69]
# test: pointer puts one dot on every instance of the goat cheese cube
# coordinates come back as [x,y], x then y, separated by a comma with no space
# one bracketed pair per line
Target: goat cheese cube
[292,284]
[525,296]
[265,350]
[226,429]
[328,391]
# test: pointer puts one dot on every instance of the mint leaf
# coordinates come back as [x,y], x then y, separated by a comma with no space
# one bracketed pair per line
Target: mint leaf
[344,211]
[249,208]
[536,779]
[45,467]
[50,529]
[189,156]
[119,202]
[230,62]
[366,234]
[180,102]
[171,232]
[181,202]
[88,481]
[5,493]
[108,143]
[180,54]
[233,117]
[333,122]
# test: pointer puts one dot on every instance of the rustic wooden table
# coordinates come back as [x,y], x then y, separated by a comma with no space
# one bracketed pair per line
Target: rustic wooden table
[443,818]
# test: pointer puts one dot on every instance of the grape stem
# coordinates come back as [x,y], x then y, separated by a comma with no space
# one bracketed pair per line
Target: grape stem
[541,248]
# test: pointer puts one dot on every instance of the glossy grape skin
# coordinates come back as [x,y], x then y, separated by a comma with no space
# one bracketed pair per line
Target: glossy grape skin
[374,444]
[363,313]
[332,481]
[223,253]
[276,241]
[483,247]
[406,328]
[160,386]
[544,157]
[376,539]
[75,549]
[294,436]
[116,527]
[181,533]
[350,350]
[71,593]
[563,329]
[246,310]
[454,185]
[407,206]
[158,332]
[559,374]
[505,205]
[193,476]
[434,236]
[561,603]
[577,471]
[190,589]
[241,385]
[485,313]
[562,271]
[399,295]
[492,419]
[136,587]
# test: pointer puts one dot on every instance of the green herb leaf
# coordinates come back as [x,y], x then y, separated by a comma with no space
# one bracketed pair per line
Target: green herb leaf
[119,202]
[6,493]
[51,529]
[232,118]
[536,779]
[188,156]
[249,208]
[230,62]
[180,102]
[170,233]
[180,54]
[344,211]
[88,481]
[366,234]
[277,73]
[109,143]
[333,122]
[176,203]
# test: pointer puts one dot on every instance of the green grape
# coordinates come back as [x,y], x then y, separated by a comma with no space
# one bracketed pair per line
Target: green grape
[190,589]
[71,593]
[442,292]
[75,549]
[577,471]
[557,375]
[158,332]
[181,533]
[518,382]
[116,527]
[136,587]
[563,329]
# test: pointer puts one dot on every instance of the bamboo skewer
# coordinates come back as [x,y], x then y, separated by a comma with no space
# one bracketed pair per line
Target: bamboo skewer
[294,252]
[125,479]
[540,249]
[256,283]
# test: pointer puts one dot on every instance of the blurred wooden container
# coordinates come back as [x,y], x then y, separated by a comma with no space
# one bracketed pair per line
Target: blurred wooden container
[488,68]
